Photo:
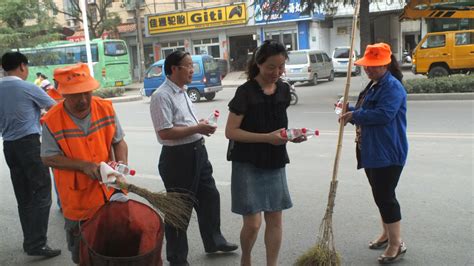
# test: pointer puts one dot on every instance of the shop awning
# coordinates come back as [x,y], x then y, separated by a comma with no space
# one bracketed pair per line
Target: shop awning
[417,9]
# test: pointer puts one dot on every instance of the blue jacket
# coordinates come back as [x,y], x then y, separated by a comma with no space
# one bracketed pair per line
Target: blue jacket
[382,118]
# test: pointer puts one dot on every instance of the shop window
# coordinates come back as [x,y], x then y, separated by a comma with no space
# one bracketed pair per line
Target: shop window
[214,51]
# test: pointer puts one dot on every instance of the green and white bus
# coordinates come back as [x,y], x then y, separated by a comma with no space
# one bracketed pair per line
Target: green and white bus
[110,60]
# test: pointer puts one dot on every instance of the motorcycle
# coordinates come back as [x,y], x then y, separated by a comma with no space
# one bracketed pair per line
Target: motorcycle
[406,58]
[294,96]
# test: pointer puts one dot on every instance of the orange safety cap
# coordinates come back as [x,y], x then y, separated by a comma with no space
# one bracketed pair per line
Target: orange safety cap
[75,79]
[375,55]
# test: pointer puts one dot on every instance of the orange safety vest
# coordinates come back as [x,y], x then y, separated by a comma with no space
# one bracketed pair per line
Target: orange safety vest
[80,195]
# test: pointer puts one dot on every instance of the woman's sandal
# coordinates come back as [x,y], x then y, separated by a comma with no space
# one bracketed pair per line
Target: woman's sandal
[378,245]
[387,260]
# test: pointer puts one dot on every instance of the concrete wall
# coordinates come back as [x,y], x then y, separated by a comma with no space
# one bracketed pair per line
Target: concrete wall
[319,38]
[342,38]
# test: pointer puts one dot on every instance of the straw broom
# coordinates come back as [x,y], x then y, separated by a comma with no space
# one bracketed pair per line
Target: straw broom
[175,207]
[324,252]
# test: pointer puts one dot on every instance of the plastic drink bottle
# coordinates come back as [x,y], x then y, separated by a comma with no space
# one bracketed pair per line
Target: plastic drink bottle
[294,133]
[212,119]
[339,106]
[309,133]
[122,168]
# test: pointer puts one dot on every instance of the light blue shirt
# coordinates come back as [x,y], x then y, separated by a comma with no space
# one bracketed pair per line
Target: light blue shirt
[20,108]
[171,107]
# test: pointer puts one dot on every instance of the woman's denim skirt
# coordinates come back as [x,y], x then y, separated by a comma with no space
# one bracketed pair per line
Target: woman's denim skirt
[257,190]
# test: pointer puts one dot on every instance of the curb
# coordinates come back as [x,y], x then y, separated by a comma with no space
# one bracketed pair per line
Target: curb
[430,96]
[123,99]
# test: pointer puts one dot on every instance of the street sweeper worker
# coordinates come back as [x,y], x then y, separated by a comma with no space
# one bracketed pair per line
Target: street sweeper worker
[381,141]
[78,134]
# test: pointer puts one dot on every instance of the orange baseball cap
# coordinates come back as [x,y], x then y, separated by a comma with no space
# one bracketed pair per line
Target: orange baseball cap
[75,79]
[376,55]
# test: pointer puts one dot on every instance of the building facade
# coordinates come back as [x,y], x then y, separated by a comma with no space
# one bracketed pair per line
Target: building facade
[231,30]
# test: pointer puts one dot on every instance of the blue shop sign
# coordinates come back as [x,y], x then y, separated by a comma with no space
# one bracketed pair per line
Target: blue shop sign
[266,11]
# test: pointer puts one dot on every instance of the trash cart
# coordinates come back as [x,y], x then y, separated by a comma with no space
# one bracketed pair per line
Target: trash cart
[122,233]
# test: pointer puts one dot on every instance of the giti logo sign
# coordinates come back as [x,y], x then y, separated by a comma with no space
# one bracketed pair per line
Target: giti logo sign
[196,19]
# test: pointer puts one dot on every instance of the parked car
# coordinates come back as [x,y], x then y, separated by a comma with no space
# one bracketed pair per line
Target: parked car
[444,53]
[309,65]
[206,78]
[340,59]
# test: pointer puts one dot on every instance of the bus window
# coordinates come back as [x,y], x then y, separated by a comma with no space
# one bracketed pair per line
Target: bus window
[83,56]
[115,48]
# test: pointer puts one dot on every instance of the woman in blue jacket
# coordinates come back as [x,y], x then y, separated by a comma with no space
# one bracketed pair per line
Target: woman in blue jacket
[382,146]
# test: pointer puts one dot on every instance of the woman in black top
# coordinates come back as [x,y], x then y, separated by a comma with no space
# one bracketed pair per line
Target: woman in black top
[257,116]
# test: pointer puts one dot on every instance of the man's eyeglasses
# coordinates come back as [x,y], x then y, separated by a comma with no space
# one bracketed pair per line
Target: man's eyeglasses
[187,66]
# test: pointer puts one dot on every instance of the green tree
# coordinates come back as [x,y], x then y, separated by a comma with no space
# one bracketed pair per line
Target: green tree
[25,23]
[98,18]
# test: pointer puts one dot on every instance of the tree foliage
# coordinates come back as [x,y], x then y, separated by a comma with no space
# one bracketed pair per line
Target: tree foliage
[25,23]
[99,19]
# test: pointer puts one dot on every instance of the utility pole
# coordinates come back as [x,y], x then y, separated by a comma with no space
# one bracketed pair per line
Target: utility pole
[140,52]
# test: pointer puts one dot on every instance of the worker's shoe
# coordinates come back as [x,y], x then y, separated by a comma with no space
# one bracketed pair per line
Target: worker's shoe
[224,247]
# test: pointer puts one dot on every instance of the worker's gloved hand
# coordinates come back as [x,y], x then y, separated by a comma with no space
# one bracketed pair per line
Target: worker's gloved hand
[109,176]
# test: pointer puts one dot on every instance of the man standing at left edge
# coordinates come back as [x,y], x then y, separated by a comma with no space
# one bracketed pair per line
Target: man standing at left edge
[20,109]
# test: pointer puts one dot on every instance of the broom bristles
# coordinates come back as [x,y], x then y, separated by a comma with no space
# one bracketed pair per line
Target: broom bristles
[175,207]
[324,252]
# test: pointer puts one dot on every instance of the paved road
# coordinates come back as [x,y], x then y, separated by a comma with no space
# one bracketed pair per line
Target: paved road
[435,191]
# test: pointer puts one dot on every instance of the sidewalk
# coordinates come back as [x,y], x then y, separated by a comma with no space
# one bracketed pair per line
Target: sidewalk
[234,79]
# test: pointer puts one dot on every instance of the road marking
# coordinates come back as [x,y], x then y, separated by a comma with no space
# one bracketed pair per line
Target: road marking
[158,178]
[315,112]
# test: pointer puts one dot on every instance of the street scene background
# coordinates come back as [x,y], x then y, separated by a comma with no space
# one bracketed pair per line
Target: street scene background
[435,190]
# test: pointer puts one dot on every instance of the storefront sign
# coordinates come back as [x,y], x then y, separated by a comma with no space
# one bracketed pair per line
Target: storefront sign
[197,19]
[269,11]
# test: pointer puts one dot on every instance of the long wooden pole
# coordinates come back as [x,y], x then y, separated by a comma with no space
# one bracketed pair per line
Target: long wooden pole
[346,91]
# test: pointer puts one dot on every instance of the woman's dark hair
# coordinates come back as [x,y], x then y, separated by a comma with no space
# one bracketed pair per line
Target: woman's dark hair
[38,74]
[261,54]
[394,68]
[12,60]
[174,59]
[43,76]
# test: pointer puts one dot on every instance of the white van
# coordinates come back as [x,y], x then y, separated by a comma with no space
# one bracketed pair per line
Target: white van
[340,59]
[308,65]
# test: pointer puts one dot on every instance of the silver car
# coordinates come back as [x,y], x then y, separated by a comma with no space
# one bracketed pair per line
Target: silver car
[309,66]
[340,59]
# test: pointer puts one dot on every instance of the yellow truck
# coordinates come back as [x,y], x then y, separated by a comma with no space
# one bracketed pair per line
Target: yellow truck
[444,53]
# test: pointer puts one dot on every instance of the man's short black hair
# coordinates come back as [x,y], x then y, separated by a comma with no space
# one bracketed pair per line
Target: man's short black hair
[12,60]
[38,74]
[174,59]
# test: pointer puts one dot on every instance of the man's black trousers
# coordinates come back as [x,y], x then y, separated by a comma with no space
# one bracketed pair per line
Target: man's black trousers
[186,168]
[32,186]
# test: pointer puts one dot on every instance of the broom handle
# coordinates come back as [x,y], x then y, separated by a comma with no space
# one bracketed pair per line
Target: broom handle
[346,91]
